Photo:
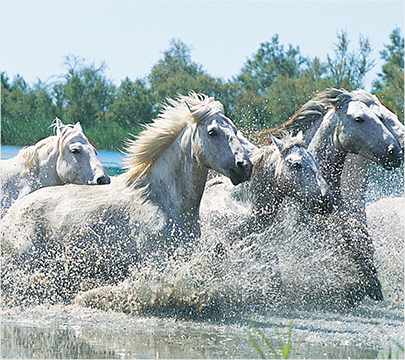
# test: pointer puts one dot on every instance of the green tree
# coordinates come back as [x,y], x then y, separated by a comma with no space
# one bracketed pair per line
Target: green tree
[389,88]
[270,62]
[348,69]
[26,113]
[177,74]
[268,86]
[85,94]
[132,105]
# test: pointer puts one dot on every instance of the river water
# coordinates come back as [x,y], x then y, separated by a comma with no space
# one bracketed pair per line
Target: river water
[369,330]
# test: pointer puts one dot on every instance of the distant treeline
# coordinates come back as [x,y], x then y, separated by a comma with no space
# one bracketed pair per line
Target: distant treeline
[270,88]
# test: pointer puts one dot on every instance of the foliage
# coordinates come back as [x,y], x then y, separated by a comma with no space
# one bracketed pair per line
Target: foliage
[348,69]
[177,74]
[389,88]
[285,348]
[272,85]
[26,113]
[133,104]
[85,94]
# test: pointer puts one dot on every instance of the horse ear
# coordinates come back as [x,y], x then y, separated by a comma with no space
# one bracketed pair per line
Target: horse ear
[188,105]
[277,142]
[58,125]
[300,135]
[78,127]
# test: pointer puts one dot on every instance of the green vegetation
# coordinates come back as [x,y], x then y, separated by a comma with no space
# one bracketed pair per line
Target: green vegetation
[285,348]
[271,87]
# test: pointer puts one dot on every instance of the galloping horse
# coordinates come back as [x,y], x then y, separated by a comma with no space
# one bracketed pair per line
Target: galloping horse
[335,124]
[146,214]
[283,169]
[356,169]
[67,157]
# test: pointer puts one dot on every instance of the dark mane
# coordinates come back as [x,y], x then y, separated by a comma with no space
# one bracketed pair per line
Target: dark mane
[309,113]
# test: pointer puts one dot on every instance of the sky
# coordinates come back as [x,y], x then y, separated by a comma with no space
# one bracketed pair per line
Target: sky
[130,37]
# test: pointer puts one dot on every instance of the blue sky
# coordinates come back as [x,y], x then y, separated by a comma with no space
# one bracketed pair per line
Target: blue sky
[131,36]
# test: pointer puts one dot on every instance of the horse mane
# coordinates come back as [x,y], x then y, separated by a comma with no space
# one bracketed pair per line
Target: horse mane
[156,137]
[365,97]
[268,154]
[310,112]
[28,156]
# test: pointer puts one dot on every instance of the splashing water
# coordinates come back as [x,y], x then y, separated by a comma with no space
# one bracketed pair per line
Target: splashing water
[201,306]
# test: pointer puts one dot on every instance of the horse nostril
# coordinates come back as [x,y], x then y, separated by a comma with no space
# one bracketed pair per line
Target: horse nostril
[103,180]
[240,165]
[392,151]
[245,166]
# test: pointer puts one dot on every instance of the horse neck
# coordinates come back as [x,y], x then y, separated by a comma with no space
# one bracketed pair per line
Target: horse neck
[176,182]
[326,152]
[310,132]
[44,171]
[353,185]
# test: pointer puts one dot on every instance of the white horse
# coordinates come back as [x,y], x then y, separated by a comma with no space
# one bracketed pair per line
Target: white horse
[323,260]
[67,157]
[357,168]
[282,170]
[335,124]
[148,213]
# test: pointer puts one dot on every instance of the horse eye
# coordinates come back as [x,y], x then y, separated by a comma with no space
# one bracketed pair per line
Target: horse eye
[359,119]
[297,166]
[213,132]
[75,151]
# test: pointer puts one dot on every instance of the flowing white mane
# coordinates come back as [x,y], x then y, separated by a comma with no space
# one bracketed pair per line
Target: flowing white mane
[313,110]
[157,136]
[28,156]
[365,97]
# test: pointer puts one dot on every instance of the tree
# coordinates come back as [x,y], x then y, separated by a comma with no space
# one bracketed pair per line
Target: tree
[348,69]
[177,74]
[26,113]
[132,105]
[85,95]
[390,86]
[268,87]
[268,63]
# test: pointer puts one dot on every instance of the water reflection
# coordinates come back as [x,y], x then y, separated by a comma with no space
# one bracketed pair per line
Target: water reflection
[74,332]
[32,342]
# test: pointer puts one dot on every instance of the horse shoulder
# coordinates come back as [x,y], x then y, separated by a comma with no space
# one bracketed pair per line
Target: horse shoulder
[50,209]
[353,184]
[11,183]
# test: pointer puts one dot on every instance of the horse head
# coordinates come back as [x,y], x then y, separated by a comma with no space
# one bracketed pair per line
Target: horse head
[360,131]
[387,117]
[298,177]
[216,143]
[287,169]
[218,147]
[77,161]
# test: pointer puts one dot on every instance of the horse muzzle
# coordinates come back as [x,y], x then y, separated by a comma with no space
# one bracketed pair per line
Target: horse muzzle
[393,158]
[323,204]
[241,172]
[103,179]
